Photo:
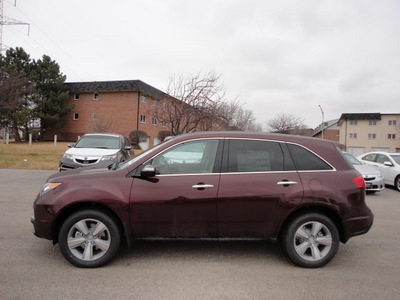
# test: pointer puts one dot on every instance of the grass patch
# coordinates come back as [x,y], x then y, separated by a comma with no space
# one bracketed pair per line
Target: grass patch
[38,156]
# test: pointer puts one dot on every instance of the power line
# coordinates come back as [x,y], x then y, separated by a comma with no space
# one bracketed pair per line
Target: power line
[8,21]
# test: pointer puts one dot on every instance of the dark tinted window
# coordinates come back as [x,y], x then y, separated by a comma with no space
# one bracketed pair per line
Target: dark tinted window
[254,156]
[306,160]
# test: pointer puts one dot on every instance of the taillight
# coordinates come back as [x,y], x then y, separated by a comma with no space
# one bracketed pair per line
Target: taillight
[359,182]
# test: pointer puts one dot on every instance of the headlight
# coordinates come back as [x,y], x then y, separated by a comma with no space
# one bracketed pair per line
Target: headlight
[48,187]
[109,157]
[68,156]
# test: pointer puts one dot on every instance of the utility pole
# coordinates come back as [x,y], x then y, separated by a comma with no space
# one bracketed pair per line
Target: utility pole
[322,124]
[8,21]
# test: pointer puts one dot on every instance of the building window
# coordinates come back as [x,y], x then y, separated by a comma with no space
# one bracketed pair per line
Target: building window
[372,122]
[76,97]
[94,116]
[372,136]
[155,102]
[96,96]
[143,99]
[154,121]
[353,136]
[76,116]
[164,106]
[353,122]
[164,124]
[392,122]
[391,136]
[142,119]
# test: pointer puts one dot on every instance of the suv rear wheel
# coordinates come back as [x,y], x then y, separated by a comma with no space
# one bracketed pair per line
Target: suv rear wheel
[311,240]
[89,238]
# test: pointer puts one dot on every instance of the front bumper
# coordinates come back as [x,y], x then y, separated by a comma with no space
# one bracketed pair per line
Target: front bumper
[71,165]
[375,185]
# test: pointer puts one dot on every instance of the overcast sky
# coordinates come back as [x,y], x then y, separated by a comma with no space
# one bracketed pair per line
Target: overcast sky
[286,56]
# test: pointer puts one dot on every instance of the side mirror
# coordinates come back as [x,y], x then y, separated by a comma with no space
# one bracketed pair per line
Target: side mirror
[148,171]
[71,145]
[388,164]
[128,148]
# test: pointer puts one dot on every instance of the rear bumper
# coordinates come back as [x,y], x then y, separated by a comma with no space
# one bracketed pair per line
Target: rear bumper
[357,226]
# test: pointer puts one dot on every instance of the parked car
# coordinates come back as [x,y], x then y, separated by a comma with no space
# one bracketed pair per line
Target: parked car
[387,163]
[96,149]
[374,181]
[233,185]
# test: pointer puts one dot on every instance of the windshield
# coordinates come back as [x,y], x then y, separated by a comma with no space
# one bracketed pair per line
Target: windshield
[103,142]
[352,159]
[129,162]
[396,158]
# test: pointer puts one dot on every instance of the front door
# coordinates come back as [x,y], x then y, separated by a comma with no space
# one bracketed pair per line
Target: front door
[180,201]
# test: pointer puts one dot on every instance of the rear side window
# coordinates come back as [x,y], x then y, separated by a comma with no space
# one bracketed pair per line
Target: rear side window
[305,160]
[254,156]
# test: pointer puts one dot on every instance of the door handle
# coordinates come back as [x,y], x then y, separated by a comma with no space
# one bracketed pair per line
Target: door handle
[286,183]
[202,186]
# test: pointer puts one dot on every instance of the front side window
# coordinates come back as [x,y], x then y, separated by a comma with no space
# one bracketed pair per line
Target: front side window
[305,160]
[254,156]
[370,157]
[194,157]
[382,158]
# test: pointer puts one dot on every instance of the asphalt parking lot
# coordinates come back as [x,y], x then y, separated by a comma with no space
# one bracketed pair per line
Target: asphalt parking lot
[367,267]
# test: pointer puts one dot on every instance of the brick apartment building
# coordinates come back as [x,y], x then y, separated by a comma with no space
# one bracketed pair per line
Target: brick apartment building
[123,106]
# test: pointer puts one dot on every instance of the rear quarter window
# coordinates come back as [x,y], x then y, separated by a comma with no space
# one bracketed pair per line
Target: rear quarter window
[305,160]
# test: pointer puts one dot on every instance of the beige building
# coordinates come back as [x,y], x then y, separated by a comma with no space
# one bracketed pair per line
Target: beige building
[366,132]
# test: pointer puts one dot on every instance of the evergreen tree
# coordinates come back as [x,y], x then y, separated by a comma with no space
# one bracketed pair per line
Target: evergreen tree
[50,94]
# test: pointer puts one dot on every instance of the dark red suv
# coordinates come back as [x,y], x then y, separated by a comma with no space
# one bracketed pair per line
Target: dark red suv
[209,186]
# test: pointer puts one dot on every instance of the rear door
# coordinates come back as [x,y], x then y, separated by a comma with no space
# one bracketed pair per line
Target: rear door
[258,187]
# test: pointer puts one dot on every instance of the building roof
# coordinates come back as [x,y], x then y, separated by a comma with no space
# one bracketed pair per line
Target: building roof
[332,124]
[112,86]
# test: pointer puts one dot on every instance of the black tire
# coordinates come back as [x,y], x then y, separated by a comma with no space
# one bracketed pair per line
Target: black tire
[89,238]
[397,183]
[309,249]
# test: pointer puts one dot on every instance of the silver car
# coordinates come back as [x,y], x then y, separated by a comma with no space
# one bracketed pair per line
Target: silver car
[374,180]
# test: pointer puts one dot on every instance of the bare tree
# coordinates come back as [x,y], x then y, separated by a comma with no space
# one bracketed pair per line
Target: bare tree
[286,124]
[136,137]
[199,103]
[101,124]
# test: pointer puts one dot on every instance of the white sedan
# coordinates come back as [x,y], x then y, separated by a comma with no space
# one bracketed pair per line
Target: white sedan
[387,163]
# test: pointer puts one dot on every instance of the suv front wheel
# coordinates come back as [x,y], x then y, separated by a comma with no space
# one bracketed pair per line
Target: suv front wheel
[89,238]
[311,240]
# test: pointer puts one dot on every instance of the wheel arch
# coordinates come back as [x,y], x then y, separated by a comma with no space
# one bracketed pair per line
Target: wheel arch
[68,211]
[331,214]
